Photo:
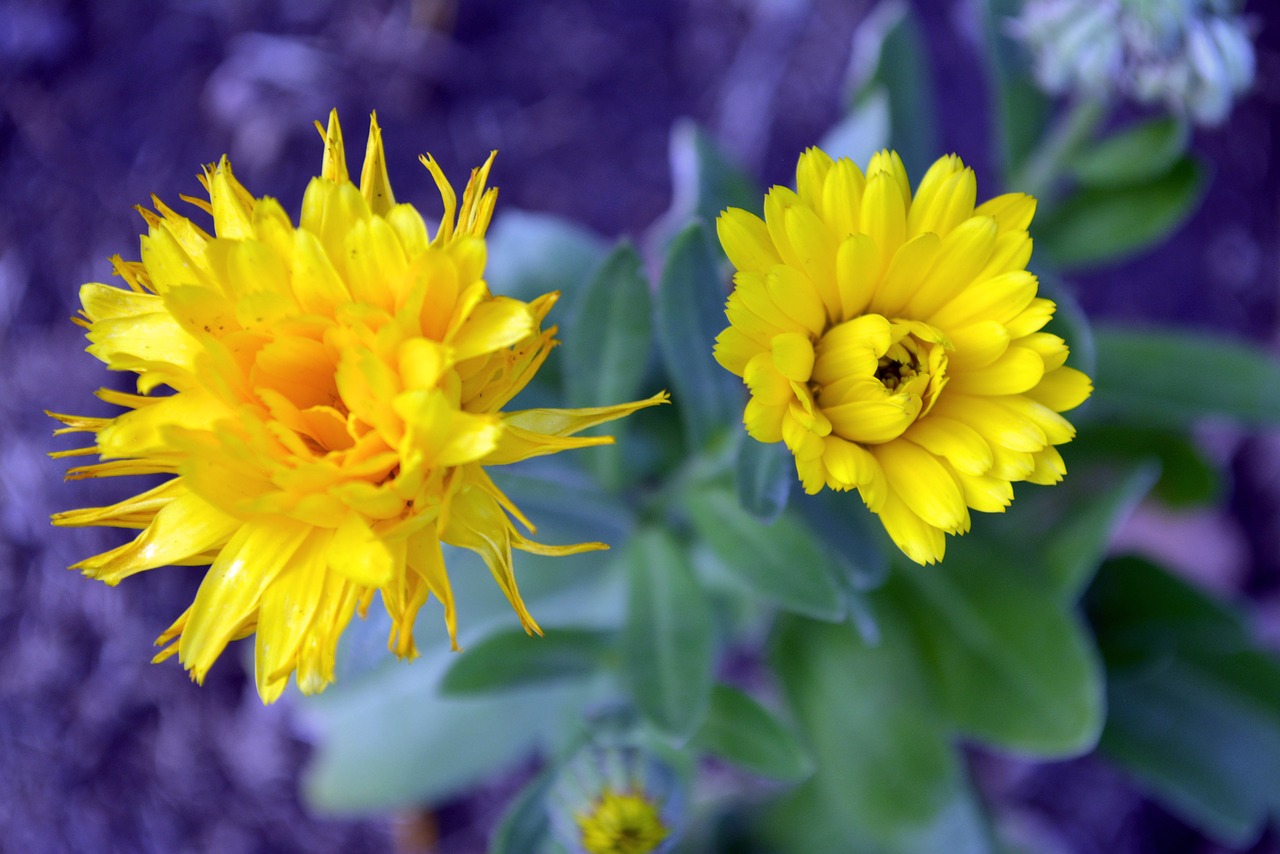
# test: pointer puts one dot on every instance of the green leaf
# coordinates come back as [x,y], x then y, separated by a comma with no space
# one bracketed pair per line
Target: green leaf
[1187,477]
[525,828]
[607,348]
[891,63]
[513,659]
[667,642]
[763,474]
[1195,705]
[850,532]
[530,254]
[1105,224]
[704,180]
[783,562]
[1020,109]
[1175,377]
[607,332]
[1076,547]
[1139,153]
[1010,665]
[740,730]
[396,743]
[887,779]
[690,316]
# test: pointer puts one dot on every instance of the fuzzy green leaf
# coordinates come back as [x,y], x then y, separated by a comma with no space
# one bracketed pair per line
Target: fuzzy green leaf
[1175,377]
[1100,225]
[512,659]
[740,730]
[690,315]
[782,562]
[667,642]
[1140,153]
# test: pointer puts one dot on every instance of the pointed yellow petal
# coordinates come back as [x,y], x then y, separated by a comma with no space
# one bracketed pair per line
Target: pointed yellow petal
[375,184]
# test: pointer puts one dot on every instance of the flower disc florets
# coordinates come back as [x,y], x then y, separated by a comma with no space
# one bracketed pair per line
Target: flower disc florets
[334,394]
[893,343]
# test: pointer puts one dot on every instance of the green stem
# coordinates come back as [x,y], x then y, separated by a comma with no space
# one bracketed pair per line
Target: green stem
[1040,172]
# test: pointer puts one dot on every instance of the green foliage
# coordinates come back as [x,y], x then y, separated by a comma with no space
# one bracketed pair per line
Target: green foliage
[1195,703]
[1141,153]
[888,778]
[524,828]
[763,474]
[782,563]
[1106,223]
[1187,478]
[742,731]
[1163,378]
[607,333]
[704,181]
[1008,663]
[891,95]
[667,641]
[690,315]
[607,344]
[1020,109]
[510,659]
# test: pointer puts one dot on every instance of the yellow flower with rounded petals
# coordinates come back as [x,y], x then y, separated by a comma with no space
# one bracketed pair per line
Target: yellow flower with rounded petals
[894,342]
[325,399]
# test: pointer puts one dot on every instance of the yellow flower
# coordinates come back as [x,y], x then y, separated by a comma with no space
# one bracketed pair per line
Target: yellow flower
[621,823]
[893,343]
[328,398]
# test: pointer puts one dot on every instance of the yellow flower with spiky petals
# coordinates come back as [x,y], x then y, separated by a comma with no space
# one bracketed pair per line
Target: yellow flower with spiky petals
[894,343]
[335,394]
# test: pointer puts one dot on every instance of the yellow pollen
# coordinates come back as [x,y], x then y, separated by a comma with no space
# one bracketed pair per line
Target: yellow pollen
[622,823]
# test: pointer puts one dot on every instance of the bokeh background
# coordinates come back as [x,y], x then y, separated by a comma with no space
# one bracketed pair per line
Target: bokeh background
[102,104]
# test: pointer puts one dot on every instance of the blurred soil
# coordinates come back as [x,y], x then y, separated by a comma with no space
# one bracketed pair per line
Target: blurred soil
[102,104]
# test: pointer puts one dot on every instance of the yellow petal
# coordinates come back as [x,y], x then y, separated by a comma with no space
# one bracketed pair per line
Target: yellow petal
[962,254]
[359,554]
[976,345]
[375,184]
[811,176]
[1016,371]
[734,350]
[924,485]
[884,215]
[793,356]
[1063,389]
[746,241]
[873,421]
[1000,299]
[955,441]
[842,199]
[425,558]
[1012,211]
[477,523]
[289,606]
[857,273]
[183,529]
[231,592]
[796,297]
[999,425]
[918,540]
[910,264]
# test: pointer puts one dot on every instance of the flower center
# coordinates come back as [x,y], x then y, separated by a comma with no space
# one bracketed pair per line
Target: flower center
[873,377]
[623,823]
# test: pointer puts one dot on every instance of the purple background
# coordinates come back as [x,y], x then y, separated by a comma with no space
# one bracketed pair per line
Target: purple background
[102,104]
